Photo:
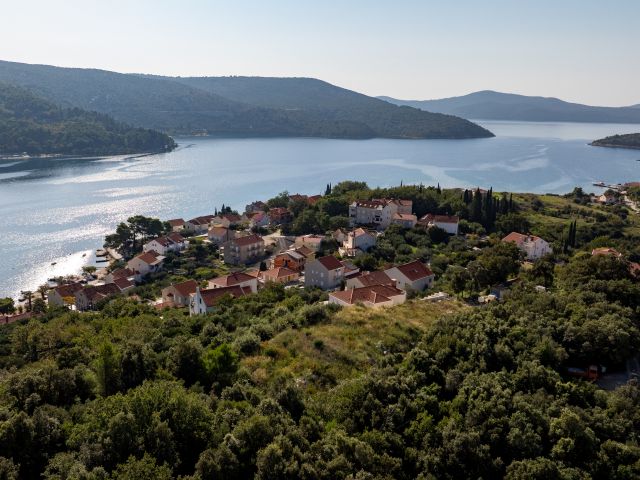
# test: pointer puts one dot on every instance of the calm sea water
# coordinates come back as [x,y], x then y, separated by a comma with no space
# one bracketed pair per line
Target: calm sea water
[59,210]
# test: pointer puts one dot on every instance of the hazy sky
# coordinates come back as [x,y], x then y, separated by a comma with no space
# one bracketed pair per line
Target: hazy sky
[579,50]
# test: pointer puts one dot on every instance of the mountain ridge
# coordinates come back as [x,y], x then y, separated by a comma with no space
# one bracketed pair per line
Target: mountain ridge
[33,125]
[187,105]
[493,105]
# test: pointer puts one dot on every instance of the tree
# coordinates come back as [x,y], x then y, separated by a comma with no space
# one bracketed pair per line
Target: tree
[39,305]
[220,364]
[107,368]
[7,305]
[28,296]
[142,469]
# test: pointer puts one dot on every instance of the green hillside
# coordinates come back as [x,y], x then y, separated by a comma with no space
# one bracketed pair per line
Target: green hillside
[244,107]
[630,140]
[32,125]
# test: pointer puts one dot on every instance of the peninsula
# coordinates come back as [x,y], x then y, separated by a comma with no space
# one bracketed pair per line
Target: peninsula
[630,140]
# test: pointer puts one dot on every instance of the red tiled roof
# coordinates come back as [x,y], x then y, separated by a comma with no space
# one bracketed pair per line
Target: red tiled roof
[375,278]
[99,292]
[330,262]
[213,295]
[123,283]
[405,216]
[122,273]
[304,250]
[175,237]
[430,217]
[149,257]
[231,279]
[176,222]
[186,288]
[218,231]
[68,290]
[247,240]
[372,294]
[415,270]
[278,272]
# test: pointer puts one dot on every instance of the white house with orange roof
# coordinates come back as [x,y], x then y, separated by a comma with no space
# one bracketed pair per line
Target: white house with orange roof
[145,263]
[357,242]
[219,234]
[533,247]
[448,223]
[378,212]
[173,242]
[324,272]
[282,275]
[413,275]
[240,279]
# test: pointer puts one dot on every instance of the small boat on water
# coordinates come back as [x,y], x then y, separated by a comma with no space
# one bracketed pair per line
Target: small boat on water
[84,254]
[101,253]
[53,263]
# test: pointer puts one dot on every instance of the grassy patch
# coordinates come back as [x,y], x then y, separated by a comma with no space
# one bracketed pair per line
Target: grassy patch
[355,339]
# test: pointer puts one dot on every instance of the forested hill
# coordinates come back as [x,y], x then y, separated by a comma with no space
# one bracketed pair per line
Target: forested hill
[630,140]
[234,106]
[490,105]
[32,125]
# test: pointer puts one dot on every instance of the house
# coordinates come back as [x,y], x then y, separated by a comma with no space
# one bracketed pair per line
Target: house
[290,259]
[607,198]
[313,199]
[324,272]
[121,273]
[243,250]
[414,276]
[367,279]
[226,220]
[280,275]
[310,241]
[374,296]
[533,247]
[308,253]
[88,297]
[145,263]
[199,225]
[64,295]
[280,215]
[448,223]
[177,224]
[239,279]
[204,301]
[378,212]
[174,242]
[405,220]
[356,242]
[339,236]
[296,197]
[257,206]
[179,294]
[219,235]
[258,220]
[124,284]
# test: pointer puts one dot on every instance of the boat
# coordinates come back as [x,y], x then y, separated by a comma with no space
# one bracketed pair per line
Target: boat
[53,263]
[599,184]
[101,253]
[84,254]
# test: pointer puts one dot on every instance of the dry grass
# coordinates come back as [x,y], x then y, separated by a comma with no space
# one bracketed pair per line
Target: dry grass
[319,356]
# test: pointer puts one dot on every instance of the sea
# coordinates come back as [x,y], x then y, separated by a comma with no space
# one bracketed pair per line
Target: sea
[55,212]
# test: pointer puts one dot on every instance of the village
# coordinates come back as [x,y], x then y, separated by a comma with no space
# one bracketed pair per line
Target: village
[255,248]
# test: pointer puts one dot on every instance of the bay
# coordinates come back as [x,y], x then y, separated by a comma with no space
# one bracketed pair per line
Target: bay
[58,210]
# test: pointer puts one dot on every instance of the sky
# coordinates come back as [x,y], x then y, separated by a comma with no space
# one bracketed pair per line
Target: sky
[578,50]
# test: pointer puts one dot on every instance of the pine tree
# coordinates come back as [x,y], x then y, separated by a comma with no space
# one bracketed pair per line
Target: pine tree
[476,207]
[438,189]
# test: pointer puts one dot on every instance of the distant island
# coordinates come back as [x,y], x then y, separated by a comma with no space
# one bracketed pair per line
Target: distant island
[629,140]
[490,105]
[34,126]
[235,106]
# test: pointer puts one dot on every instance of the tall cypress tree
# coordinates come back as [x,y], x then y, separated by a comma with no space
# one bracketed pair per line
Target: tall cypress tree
[476,207]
